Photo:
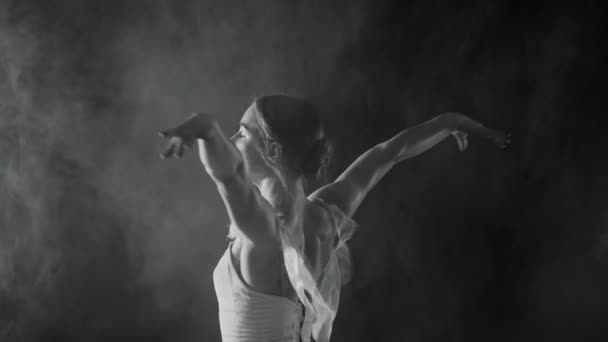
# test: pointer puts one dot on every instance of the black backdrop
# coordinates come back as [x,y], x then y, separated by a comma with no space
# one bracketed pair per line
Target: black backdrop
[100,240]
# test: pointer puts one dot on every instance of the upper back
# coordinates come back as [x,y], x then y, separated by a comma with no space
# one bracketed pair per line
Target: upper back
[262,267]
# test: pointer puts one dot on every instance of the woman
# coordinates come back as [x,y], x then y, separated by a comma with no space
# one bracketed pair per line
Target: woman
[280,277]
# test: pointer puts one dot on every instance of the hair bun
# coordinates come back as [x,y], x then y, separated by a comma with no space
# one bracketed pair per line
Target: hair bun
[318,157]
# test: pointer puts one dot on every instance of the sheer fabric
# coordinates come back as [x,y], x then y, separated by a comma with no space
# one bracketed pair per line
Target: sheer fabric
[321,296]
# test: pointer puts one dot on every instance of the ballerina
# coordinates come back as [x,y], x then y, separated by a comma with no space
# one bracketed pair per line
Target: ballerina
[280,276]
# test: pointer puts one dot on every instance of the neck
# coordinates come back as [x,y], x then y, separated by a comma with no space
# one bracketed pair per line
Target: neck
[282,199]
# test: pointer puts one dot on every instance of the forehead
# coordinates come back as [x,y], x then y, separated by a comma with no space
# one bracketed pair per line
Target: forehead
[249,117]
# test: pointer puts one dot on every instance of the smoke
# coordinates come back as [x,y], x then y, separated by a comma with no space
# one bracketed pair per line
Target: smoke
[470,244]
[101,239]
[215,57]
[57,231]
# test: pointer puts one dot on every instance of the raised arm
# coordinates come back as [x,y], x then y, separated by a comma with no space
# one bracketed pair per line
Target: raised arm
[249,213]
[350,188]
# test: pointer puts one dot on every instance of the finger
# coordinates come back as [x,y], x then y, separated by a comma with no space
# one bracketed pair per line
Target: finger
[168,150]
[165,133]
[189,143]
[461,144]
[180,149]
[171,147]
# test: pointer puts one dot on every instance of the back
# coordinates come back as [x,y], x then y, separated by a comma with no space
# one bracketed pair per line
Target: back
[317,282]
[263,268]
[310,268]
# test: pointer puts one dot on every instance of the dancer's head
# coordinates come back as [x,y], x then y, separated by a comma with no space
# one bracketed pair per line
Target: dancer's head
[282,136]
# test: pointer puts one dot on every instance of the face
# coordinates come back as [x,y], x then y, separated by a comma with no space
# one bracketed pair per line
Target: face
[245,142]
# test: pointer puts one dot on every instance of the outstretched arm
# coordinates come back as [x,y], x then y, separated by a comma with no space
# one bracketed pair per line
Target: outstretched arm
[249,213]
[350,188]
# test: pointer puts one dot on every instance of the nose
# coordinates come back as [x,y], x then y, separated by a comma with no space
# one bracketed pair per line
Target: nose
[233,137]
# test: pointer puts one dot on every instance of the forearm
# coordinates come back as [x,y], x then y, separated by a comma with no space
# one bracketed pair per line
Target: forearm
[464,123]
[418,139]
[218,155]
[367,170]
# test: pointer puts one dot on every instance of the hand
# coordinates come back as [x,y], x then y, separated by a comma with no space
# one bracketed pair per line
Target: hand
[176,147]
[183,137]
[499,138]
[461,123]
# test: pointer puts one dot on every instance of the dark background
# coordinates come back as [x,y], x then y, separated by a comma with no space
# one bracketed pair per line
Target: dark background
[101,240]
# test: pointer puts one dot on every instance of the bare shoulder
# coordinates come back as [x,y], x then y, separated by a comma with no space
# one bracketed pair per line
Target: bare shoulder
[342,193]
[353,184]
